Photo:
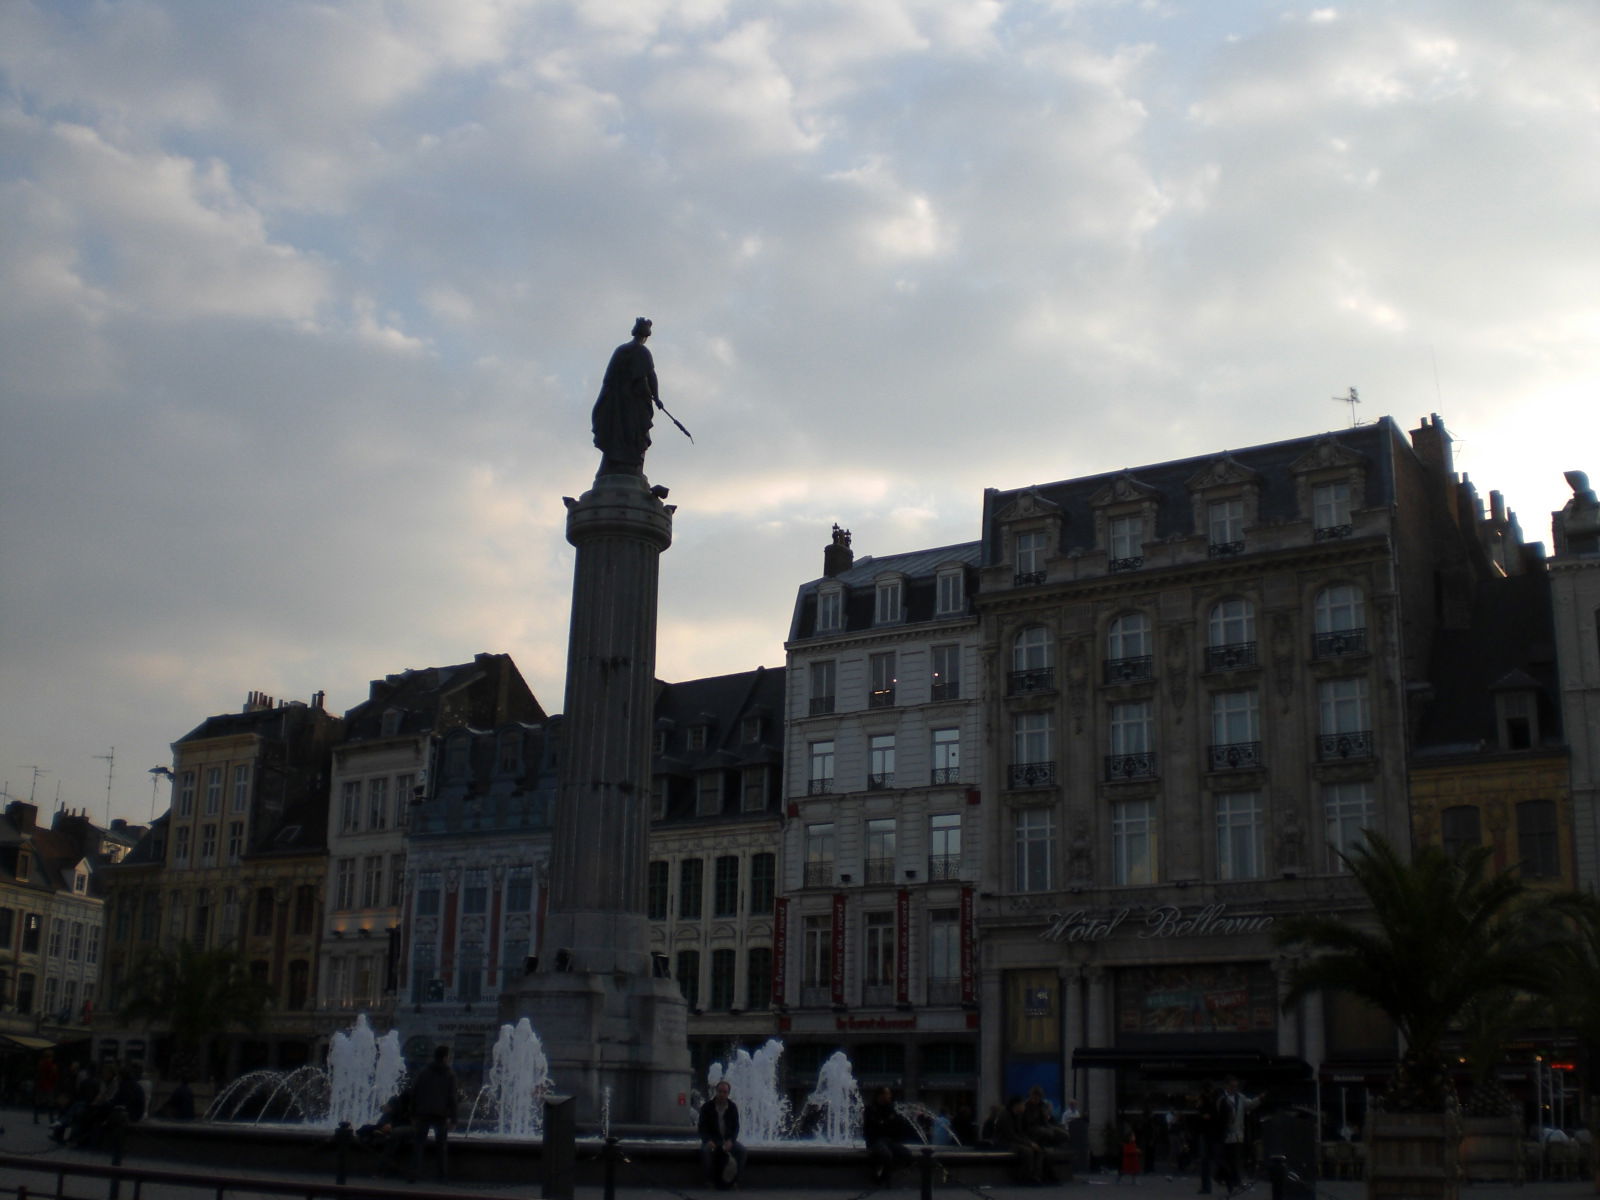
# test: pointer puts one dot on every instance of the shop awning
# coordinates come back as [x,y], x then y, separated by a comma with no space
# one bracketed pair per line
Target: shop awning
[1194,1064]
[24,1041]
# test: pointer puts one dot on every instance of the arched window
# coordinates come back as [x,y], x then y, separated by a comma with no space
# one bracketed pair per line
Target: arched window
[1032,661]
[1129,649]
[1339,614]
[1231,635]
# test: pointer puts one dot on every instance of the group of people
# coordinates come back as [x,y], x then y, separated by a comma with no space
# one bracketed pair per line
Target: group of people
[431,1103]
[1212,1138]
[83,1113]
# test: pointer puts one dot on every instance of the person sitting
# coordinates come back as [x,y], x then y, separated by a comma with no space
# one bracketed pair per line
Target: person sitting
[722,1155]
[1011,1133]
[1039,1119]
[180,1104]
[885,1131]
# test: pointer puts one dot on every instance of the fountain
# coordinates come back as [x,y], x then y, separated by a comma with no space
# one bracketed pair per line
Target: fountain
[836,1103]
[753,1079]
[519,1077]
[364,1070]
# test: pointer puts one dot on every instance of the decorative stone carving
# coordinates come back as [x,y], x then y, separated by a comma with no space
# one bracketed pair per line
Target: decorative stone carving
[1177,668]
[1283,656]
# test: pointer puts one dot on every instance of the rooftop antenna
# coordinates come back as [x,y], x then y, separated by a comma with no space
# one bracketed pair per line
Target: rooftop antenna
[111,765]
[34,786]
[1352,400]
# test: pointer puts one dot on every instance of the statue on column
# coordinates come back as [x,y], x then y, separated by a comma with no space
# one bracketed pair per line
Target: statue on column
[622,413]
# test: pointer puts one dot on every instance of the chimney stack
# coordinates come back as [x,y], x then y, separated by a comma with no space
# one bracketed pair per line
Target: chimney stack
[837,557]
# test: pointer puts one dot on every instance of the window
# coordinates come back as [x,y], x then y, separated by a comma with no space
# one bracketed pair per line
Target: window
[708,793]
[235,841]
[1231,636]
[1460,828]
[57,939]
[150,918]
[946,756]
[427,894]
[1133,842]
[1348,810]
[750,730]
[457,756]
[655,890]
[372,881]
[753,788]
[725,886]
[722,966]
[213,791]
[877,949]
[52,995]
[880,761]
[344,885]
[519,890]
[1345,725]
[1125,537]
[758,978]
[819,855]
[7,917]
[658,742]
[1129,649]
[25,987]
[951,591]
[1235,731]
[1031,765]
[1339,615]
[180,847]
[1030,552]
[186,794]
[241,787]
[1225,519]
[691,883]
[880,850]
[1131,756]
[508,752]
[823,684]
[763,882]
[397,880]
[230,917]
[350,806]
[32,925]
[881,670]
[819,777]
[1516,714]
[475,892]
[208,845]
[1032,660]
[817,948]
[944,846]
[1035,849]
[688,974]
[1537,840]
[1241,836]
[405,787]
[887,610]
[75,941]
[1330,510]
[305,909]
[830,608]
[946,663]
[697,737]
[378,803]
[266,912]
[944,945]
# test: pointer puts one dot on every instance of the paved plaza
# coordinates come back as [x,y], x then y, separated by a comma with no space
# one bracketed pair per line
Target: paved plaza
[24,1138]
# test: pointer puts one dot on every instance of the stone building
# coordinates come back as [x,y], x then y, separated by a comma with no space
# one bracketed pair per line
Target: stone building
[1575,597]
[239,860]
[1202,674]
[379,770]
[711,893]
[883,839]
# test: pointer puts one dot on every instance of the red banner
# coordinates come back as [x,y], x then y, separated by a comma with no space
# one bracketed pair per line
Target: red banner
[969,974]
[902,947]
[780,950]
[836,956]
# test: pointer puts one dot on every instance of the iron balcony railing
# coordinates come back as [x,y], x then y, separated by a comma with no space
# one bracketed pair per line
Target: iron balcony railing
[819,787]
[821,705]
[819,873]
[1234,656]
[881,698]
[1032,774]
[1129,670]
[1235,756]
[1034,679]
[1225,549]
[946,775]
[946,691]
[879,870]
[1139,765]
[1329,532]
[880,780]
[1132,563]
[1027,578]
[1356,743]
[944,866]
[1339,642]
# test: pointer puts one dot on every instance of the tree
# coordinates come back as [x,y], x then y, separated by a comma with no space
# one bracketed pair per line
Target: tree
[197,994]
[1444,931]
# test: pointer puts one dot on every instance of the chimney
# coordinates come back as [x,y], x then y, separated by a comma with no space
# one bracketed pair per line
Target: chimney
[23,815]
[838,556]
[1431,441]
[317,699]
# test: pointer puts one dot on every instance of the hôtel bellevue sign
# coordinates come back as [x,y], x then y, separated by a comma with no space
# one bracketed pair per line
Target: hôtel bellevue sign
[1160,921]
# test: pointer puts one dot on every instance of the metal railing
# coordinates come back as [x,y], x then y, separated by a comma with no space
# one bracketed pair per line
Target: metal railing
[821,706]
[945,775]
[1129,670]
[944,866]
[1032,774]
[1234,756]
[1225,549]
[819,873]
[1139,765]
[1034,679]
[880,781]
[1234,656]
[1339,642]
[881,698]
[1356,743]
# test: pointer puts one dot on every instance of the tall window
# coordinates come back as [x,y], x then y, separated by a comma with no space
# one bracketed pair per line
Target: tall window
[1339,615]
[946,664]
[691,882]
[758,978]
[816,970]
[213,791]
[708,793]
[1130,730]
[1330,508]
[1231,636]
[428,893]
[881,670]
[1345,724]
[1348,809]
[75,941]
[1235,730]
[474,891]
[372,881]
[877,966]
[1031,765]
[1133,842]
[180,846]
[305,909]
[1538,844]
[725,886]
[1035,849]
[1460,828]
[1129,649]
[944,945]
[186,794]
[946,756]
[688,974]
[265,912]
[823,684]
[241,787]
[397,881]
[1225,519]
[753,788]
[1125,537]
[655,890]
[378,803]
[1031,661]
[880,761]
[1241,836]
[944,846]
[763,882]
[887,609]
[880,850]
[1030,551]
[235,841]
[404,786]
[722,967]
[952,592]
[830,609]
[819,854]
[819,773]
[208,845]
[350,806]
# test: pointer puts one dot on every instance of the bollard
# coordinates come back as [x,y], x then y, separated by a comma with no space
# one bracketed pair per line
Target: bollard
[610,1155]
[1278,1172]
[343,1137]
[925,1168]
[116,1127]
[558,1156]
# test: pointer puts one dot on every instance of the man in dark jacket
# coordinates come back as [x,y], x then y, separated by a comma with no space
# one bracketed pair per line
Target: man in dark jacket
[885,1130]
[721,1153]
[433,1106]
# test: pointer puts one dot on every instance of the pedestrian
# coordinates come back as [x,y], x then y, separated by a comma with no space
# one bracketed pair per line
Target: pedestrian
[885,1131]
[722,1155]
[1206,1124]
[46,1083]
[434,1097]
[1011,1132]
[1232,1105]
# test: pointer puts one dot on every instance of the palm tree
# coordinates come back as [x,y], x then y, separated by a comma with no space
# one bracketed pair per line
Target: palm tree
[1444,931]
[197,994]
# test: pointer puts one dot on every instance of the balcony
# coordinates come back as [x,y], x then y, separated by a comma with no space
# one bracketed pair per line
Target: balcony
[821,706]
[1032,775]
[1139,765]
[946,775]
[1235,656]
[944,866]
[881,697]
[1339,643]
[1225,549]
[1132,563]
[945,691]
[1129,670]
[880,781]
[1027,578]
[819,873]
[1234,756]
[1035,679]
[819,787]
[879,870]
[1330,533]
[1357,743]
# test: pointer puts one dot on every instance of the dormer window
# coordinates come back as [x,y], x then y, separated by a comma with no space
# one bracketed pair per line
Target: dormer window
[888,609]
[1125,542]
[1225,527]
[952,597]
[830,610]
[697,737]
[80,882]
[1030,551]
[390,725]
[1330,510]
[658,742]
[456,757]
[750,730]
[24,866]
[508,756]
[1517,719]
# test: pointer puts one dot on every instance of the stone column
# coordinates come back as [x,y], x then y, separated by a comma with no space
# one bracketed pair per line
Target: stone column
[1101,1108]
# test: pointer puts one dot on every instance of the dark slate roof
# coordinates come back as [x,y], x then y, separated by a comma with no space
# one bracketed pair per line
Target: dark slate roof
[275,723]
[54,855]
[919,568]
[720,704]
[151,848]
[1509,644]
[418,695]
[491,798]
[1377,443]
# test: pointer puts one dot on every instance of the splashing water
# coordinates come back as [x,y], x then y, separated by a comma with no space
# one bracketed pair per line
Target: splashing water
[837,1103]
[753,1082]
[519,1078]
[364,1070]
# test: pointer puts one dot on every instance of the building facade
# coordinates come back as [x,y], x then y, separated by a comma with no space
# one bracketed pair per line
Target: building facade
[1575,600]
[883,838]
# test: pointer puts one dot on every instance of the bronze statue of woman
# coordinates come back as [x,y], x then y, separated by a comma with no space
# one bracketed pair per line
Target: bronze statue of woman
[622,413]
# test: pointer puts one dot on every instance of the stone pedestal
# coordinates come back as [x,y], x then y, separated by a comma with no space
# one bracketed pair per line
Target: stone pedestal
[610,1027]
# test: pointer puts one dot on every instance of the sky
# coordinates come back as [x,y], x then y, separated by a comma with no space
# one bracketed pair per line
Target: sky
[303,306]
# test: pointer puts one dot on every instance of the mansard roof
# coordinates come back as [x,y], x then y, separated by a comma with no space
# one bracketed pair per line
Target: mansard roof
[431,699]
[719,704]
[919,568]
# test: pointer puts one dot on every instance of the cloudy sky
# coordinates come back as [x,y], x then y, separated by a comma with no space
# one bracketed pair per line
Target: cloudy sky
[303,305]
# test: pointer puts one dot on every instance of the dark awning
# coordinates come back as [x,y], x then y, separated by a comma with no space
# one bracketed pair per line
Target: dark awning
[1194,1064]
